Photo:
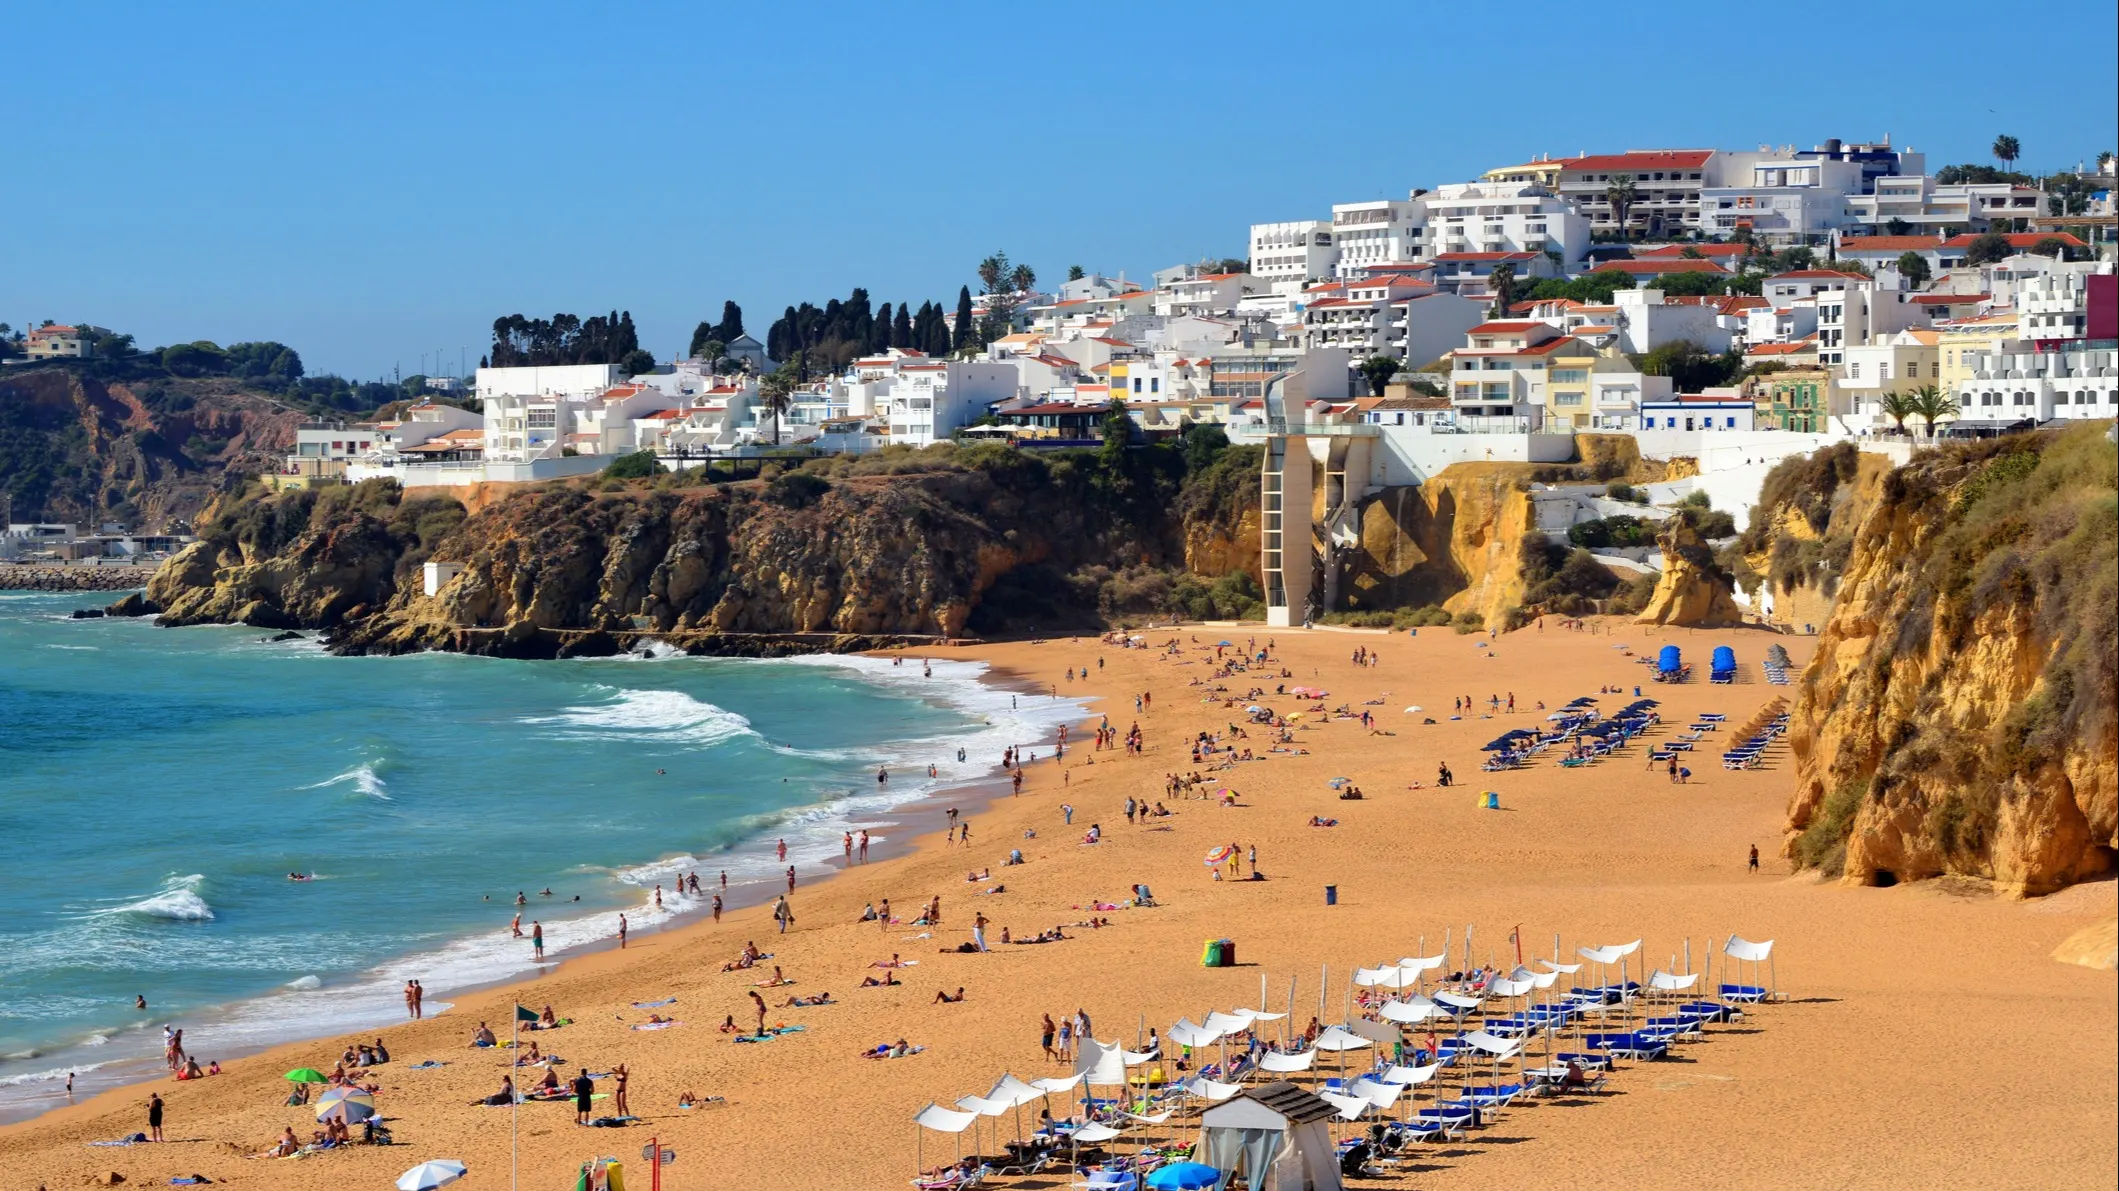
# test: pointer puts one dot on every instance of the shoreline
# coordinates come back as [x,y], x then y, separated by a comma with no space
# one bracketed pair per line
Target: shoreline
[905,828]
[1889,987]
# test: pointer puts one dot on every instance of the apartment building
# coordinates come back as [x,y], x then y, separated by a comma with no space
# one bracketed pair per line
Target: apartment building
[61,342]
[1587,389]
[1296,250]
[1497,381]
[1204,294]
[1916,203]
[1646,321]
[1393,315]
[1383,232]
[1858,314]
[2054,306]
[1503,217]
[2015,384]
[531,411]
[1666,189]
[1783,202]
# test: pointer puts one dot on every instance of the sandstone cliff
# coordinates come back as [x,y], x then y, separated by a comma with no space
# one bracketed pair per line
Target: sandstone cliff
[1452,542]
[1959,714]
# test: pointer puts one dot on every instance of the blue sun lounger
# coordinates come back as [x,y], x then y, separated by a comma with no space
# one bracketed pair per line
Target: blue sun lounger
[1746,994]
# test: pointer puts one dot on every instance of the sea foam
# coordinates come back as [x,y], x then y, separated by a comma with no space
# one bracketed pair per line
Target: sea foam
[640,714]
[178,901]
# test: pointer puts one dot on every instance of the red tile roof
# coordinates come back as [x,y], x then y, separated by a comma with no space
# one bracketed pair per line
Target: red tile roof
[1679,250]
[1889,243]
[1657,159]
[2019,239]
[1485,256]
[1660,266]
[1816,275]
[1948,299]
[1509,327]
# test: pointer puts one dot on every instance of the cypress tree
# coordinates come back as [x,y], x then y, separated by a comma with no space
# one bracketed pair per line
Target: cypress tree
[962,338]
[901,330]
[731,324]
[879,335]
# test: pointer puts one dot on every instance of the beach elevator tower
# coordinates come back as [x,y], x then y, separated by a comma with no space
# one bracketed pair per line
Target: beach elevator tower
[1314,478]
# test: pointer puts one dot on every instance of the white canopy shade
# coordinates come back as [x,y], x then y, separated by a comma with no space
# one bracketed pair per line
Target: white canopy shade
[1134,1058]
[1185,1033]
[1349,1107]
[1256,1015]
[1561,969]
[1628,948]
[1411,1076]
[1381,1095]
[1387,977]
[1335,1038]
[1052,1086]
[1095,1132]
[1670,983]
[1409,1012]
[1428,964]
[1208,1089]
[1274,1061]
[1500,1048]
[1544,979]
[945,1120]
[1499,987]
[984,1107]
[1014,1091]
[1223,1023]
[1157,1119]
[1100,1064]
[1737,948]
[1457,1000]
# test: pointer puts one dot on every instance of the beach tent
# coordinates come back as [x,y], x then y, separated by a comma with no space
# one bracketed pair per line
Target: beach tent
[1271,1138]
[941,1120]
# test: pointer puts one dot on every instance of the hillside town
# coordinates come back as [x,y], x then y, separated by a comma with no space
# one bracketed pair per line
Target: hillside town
[1731,308]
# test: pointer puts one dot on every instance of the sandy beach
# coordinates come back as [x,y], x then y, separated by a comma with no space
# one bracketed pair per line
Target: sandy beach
[1929,1039]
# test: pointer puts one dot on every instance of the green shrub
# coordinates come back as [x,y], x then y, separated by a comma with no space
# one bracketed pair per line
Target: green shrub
[637,466]
[1623,492]
[1823,844]
[796,489]
[1469,622]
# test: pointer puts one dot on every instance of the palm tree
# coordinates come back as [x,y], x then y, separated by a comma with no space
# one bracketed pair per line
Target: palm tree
[1619,192]
[777,393]
[2007,149]
[1931,405]
[1898,407]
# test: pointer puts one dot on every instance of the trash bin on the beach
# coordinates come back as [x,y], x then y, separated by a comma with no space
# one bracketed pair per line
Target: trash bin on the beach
[1491,800]
[1331,895]
[1219,953]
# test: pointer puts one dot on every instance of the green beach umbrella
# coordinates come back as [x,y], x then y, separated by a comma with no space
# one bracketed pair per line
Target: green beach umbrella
[306,1075]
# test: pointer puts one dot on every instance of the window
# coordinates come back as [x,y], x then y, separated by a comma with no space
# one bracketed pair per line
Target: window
[1155,384]
[1732,422]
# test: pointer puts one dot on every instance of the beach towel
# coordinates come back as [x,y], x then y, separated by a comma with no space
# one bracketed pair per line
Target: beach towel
[657,1025]
[123,1141]
[769,1034]
[428,1065]
[654,1004]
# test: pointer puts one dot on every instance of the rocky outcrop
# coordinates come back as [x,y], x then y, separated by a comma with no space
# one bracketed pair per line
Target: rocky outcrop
[1452,542]
[726,568]
[77,447]
[1959,714]
[1692,590]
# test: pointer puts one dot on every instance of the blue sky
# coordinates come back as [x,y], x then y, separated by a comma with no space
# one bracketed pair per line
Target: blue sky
[371,182]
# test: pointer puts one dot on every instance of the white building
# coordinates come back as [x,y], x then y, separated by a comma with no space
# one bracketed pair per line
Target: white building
[923,401]
[1204,294]
[1298,250]
[1503,217]
[2018,383]
[1647,322]
[1394,316]
[1497,381]
[1706,411]
[1381,232]
[1783,202]
[2053,306]
[1917,204]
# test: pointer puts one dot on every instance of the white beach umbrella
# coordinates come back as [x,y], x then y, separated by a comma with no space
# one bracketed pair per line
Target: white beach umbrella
[439,1172]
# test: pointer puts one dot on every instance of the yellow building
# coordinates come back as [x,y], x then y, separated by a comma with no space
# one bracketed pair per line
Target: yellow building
[1545,172]
[1956,341]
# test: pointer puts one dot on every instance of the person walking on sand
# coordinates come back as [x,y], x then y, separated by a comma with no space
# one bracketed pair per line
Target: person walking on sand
[419,1000]
[1066,1039]
[1045,1039]
[1754,858]
[411,1006]
[863,845]
[717,907]
[883,915]
[621,932]
[1252,859]
[790,878]
[978,931]
[847,843]
[782,913]
[154,1116]
[537,940]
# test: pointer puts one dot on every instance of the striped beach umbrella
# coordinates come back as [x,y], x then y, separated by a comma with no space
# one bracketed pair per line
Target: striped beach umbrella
[351,1104]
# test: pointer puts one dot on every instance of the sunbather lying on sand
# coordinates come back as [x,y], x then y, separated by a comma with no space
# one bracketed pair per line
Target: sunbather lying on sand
[822,998]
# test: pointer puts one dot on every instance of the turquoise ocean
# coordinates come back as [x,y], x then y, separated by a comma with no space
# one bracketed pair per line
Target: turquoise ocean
[157,786]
